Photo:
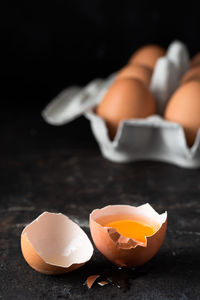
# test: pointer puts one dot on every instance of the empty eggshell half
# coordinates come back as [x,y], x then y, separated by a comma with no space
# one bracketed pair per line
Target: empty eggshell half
[54,244]
[124,251]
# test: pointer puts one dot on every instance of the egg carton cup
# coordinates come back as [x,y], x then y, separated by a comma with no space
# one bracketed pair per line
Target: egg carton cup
[152,138]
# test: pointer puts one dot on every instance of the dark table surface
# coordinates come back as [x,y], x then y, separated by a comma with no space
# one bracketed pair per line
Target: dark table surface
[60,169]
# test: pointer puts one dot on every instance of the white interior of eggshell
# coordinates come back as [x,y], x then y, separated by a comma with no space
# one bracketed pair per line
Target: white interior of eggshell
[58,240]
[144,213]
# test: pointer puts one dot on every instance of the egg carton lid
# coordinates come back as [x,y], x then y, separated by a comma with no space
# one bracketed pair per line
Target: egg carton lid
[152,138]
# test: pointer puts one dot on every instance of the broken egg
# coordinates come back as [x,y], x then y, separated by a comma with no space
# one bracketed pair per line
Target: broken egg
[127,235]
[147,55]
[54,244]
[136,71]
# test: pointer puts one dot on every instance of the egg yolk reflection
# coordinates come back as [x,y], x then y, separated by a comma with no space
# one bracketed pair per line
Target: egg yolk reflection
[132,229]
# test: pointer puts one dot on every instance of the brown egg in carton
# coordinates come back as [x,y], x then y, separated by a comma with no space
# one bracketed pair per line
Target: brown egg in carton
[157,120]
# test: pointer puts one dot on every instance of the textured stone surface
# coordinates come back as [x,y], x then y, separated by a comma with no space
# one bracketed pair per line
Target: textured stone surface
[61,170]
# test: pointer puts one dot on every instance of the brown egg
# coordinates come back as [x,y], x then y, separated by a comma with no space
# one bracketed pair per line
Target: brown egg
[140,72]
[147,55]
[119,244]
[195,60]
[184,108]
[126,99]
[192,74]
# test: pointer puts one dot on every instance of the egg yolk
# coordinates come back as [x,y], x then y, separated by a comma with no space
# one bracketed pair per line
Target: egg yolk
[132,229]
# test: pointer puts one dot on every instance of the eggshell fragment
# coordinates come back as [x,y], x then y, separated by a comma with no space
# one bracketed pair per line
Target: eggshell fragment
[140,72]
[53,244]
[102,283]
[127,251]
[147,55]
[126,99]
[184,108]
[91,279]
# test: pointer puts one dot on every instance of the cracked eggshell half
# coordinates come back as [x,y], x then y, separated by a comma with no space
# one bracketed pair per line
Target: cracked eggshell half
[124,251]
[54,244]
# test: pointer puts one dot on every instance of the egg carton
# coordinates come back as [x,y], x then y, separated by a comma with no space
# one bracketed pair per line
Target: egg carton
[152,138]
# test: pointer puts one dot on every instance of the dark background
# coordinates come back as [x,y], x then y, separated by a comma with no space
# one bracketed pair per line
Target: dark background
[45,47]
[48,45]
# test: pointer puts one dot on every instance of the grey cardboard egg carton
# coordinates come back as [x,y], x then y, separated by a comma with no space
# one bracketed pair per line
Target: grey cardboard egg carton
[152,138]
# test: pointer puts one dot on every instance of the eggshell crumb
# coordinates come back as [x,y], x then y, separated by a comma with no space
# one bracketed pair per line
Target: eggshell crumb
[102,283]
[91,279]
